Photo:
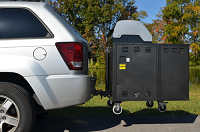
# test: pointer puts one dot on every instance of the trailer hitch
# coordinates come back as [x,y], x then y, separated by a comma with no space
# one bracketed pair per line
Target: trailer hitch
[102,93]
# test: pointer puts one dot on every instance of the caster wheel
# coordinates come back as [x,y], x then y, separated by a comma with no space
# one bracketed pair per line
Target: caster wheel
[149,104]
[162,109]
[110,103]
[117,112]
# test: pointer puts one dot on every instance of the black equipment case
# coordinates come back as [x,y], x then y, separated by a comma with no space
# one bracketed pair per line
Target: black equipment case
[138,70]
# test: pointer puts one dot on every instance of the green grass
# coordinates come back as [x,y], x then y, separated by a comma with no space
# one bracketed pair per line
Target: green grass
[195,67]
[98,107]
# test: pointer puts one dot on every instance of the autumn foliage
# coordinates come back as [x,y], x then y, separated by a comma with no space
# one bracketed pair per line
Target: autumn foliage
[179,23]
[94,19]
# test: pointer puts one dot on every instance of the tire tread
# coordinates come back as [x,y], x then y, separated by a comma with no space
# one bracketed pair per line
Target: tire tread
[19,91]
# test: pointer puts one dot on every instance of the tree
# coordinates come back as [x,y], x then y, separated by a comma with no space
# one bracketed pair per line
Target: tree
[193,15]
[176,27]
[182,18]
[156,30]
[96,18]
[179,23]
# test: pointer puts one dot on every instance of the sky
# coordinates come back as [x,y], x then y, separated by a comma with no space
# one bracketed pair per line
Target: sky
[152,7]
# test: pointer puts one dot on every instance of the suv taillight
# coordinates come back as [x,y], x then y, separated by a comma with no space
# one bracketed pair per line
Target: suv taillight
[72,54]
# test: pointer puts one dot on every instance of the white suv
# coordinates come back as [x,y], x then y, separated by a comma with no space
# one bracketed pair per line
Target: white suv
[44,64]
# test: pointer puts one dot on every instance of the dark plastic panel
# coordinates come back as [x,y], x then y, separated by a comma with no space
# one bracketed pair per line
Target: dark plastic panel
[140,71]
[174,72]
[148,72]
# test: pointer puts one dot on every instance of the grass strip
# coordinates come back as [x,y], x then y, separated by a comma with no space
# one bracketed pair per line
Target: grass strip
[98,107]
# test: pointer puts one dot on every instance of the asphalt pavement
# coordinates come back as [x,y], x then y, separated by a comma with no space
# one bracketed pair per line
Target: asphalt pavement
[118,124]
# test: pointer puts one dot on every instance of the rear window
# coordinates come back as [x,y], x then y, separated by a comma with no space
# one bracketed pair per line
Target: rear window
[20,23]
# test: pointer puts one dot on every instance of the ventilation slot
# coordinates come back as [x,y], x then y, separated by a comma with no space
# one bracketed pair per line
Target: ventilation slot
[124,49]
[124,93]
[148,50]
[182,50]
[166,50]
[136,49]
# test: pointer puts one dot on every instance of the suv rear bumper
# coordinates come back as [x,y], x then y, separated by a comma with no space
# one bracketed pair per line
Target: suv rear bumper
[57,91]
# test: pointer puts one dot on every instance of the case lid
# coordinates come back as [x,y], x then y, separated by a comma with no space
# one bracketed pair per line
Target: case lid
[131,27]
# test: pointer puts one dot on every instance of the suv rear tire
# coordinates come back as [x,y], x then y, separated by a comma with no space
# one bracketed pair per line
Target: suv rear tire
[17,109]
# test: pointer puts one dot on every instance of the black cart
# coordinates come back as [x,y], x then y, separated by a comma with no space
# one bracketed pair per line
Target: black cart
[138,70]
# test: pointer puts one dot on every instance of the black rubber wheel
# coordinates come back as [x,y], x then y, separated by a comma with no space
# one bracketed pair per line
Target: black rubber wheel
[110,104]
[161,109]
[149,104]
[17,109]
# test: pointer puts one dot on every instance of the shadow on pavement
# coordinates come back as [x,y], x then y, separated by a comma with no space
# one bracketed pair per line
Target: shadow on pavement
[98,123]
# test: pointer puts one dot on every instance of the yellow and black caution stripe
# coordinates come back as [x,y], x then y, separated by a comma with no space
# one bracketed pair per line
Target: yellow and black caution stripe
[122,66]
